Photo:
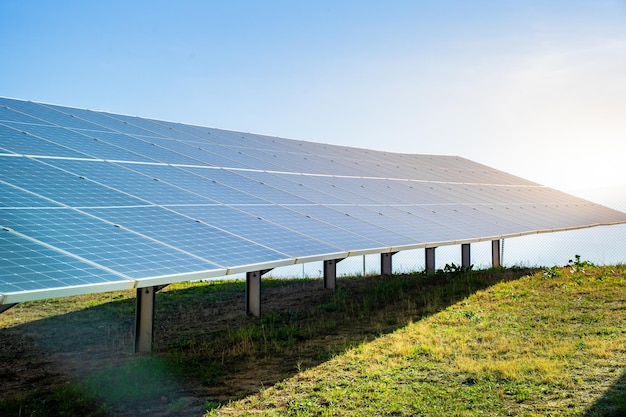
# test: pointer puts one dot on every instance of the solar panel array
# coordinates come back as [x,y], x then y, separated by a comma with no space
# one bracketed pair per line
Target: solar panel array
[92,201]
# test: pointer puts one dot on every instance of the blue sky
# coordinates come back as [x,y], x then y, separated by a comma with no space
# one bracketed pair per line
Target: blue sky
[535,88]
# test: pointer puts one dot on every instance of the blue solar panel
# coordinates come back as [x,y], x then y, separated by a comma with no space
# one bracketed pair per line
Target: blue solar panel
[63,187]
[103,243]
[46,113]
[287,184]
[189,236]
[340,218]
[151,147]
[326,232]
[128,179]
[15,138]
[102,121]
[242,182]
[398,221]
[258,230]
[95,198]
[85,144]
[28,266]
[210,155]
[12,197]
[10,115]
[207,182]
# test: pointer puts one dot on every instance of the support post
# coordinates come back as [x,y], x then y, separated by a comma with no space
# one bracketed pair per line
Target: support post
[386,265]
[466,259]
[253,293]
[144,319]
[430,260]
[495,253]
[5,307]
[330,273]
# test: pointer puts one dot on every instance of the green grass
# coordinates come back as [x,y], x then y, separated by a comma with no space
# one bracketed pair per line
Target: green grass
[537,346]
[511,342]
[65,400]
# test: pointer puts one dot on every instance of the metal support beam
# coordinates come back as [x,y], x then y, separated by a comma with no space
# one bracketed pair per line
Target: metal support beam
[495,253]
[386,265]
[253,293]
[144,319]
[5,307]
[466,259]
[330,273]
[430,260]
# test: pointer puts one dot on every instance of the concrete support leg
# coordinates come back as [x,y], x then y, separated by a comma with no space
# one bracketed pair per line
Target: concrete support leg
[144,319]
[330,273]
[430,260]
[466,259]
[495,253]
[386,263]
[253,293]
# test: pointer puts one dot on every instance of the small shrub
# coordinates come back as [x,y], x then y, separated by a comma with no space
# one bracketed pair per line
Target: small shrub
[577,265]
[552,272]
[454,269]
[211,405]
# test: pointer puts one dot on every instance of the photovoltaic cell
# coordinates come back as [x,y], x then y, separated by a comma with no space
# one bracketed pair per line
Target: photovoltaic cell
[63,187]
[190,236]
[396,220]
[9,115]
[130,148]
[129,180]
[258,230]
[49,115]
[15,138]
[214,185]
[338,217]
[12,198]
[331,234]
[29,266]
[209,155]
[102,243]
[84,144]
[102,121]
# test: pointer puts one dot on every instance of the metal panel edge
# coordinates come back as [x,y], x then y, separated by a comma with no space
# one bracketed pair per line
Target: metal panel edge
[171,279]
[260,266]
[325,257]
[22,296]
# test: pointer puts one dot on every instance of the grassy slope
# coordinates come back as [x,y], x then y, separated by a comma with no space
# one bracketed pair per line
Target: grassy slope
[548,344]
[478,343]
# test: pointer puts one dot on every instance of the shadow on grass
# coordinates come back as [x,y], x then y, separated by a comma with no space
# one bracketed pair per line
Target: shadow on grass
[612,403]
[208,352]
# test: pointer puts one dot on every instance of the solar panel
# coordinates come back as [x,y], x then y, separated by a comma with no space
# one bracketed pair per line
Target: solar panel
[106,244]
[27,266]
[18,141]
[94,201]
[46,180]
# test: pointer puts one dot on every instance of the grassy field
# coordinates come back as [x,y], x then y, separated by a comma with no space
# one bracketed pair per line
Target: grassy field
[548,342]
